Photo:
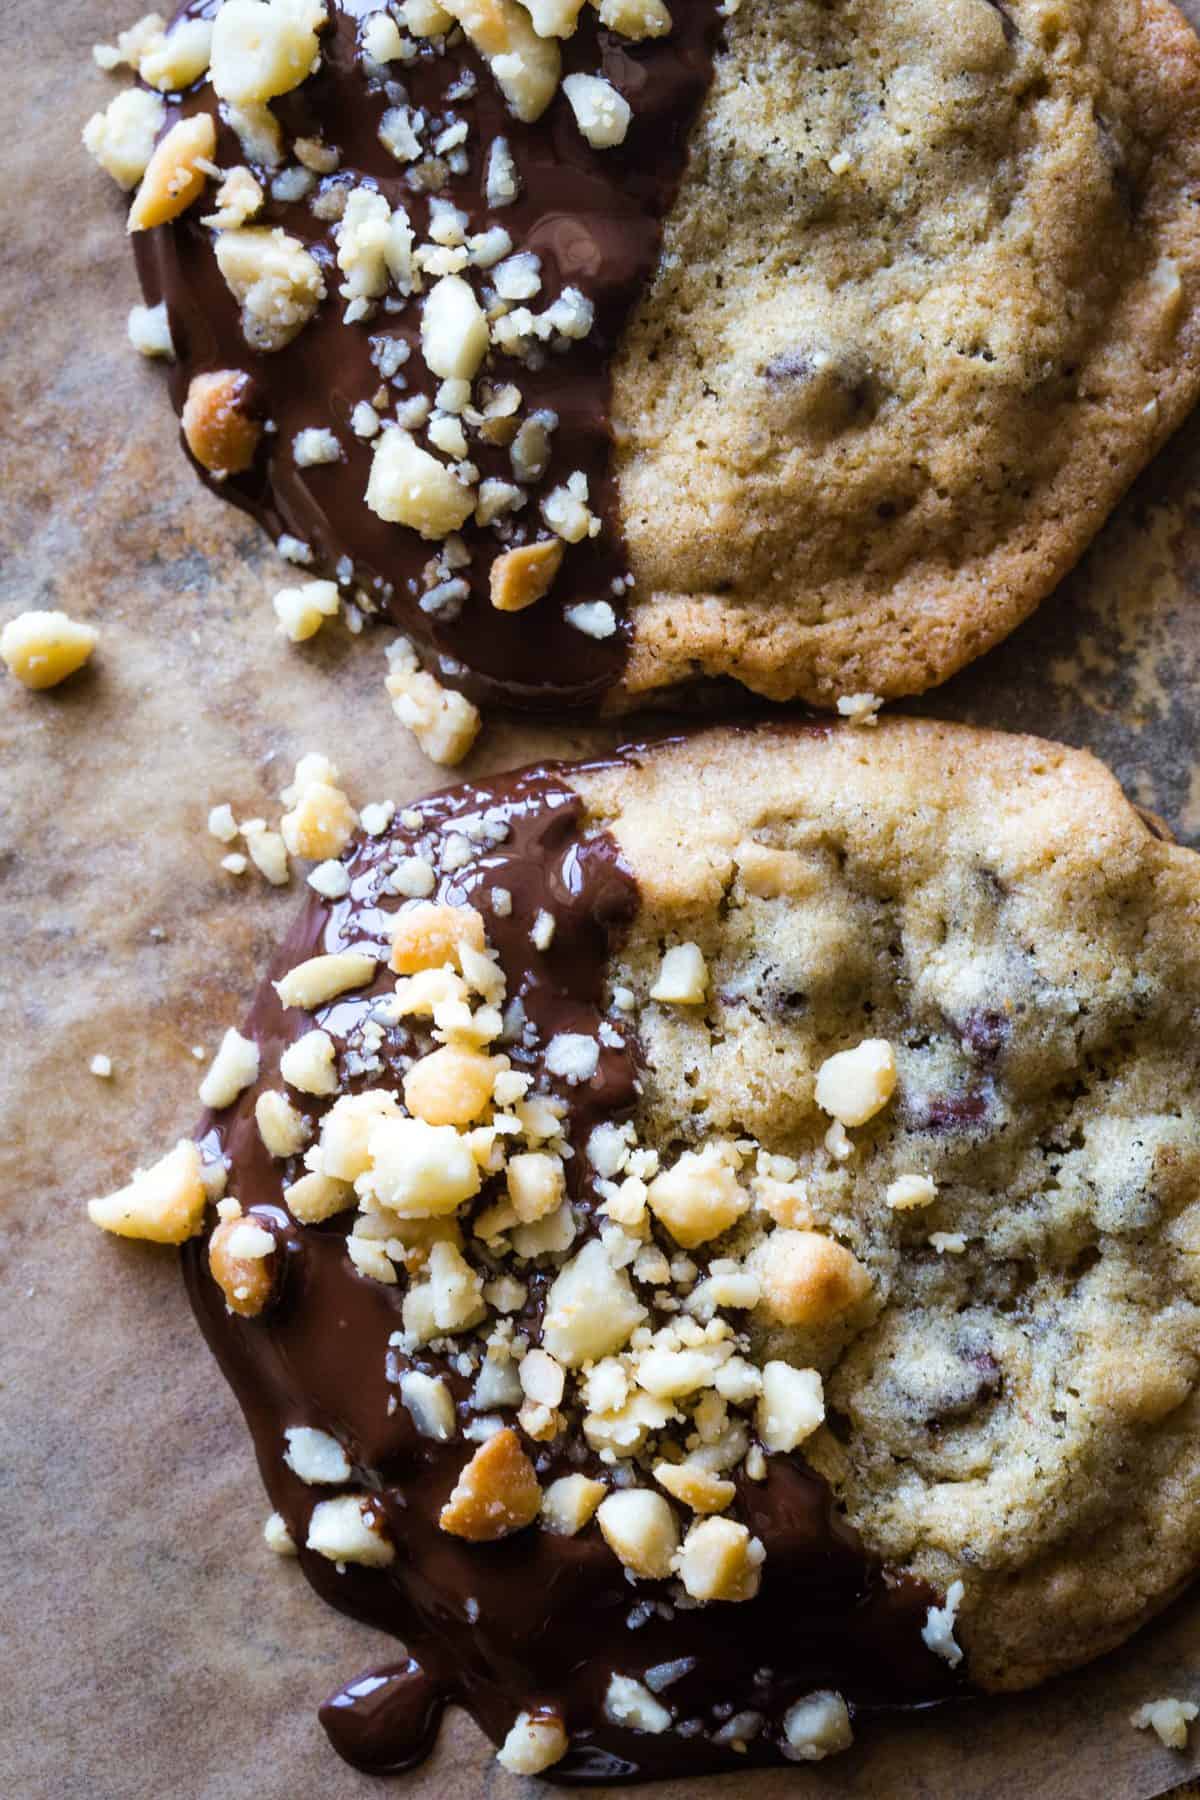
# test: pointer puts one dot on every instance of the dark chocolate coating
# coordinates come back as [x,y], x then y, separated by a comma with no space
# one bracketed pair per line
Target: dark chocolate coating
[535,1620]
[594,217]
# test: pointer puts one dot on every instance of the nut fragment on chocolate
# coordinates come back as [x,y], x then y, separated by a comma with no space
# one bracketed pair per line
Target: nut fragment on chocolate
[222,433]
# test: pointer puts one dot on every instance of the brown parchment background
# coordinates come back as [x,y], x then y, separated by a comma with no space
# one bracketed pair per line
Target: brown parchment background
[149,1645]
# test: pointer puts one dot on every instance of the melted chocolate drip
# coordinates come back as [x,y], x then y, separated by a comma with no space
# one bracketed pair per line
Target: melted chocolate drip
[594,217]
[535,1620]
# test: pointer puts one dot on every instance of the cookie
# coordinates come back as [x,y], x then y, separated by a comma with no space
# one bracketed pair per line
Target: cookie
[707,1240]
[605,355]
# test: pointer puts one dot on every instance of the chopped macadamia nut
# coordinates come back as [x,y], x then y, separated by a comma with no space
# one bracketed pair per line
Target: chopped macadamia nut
[719,1560]
[408,486]
[683,977]
[43,648]
[860,709]
[569,1503]
[219,429]
[283,1129]
[234,1067]
[262,48]
[174,177]
[277,1537]
[639,1527]
[697,1487]
[268,852]
[381,38]
[315,1457]
[454,333]
[816,1727]
[591,1308]
[121,138]
[102,1067]
[418,1171]
[277,283]
[636,19]
[909,1191]
[938,1629]
[344,1531]
[536,1185]
[521,577]
[452,1086]
[628,1703]
[314,446]
[444,723]
[315,1198]
[322,978]
[321,823]
[601,113]
[554,18]
[239,198]
[150,332]
[807,1278]
[426,18]
[346,1132]
[308,1064]
[791,1406]
[430,1405]
[1168,1719]
[496,1494]
[163,1204]
[535,1741]
[429,936]
[239,1254]
[221,823]
[856,1084]
[699,1197]
[527,67]
[302,611]
[171,61]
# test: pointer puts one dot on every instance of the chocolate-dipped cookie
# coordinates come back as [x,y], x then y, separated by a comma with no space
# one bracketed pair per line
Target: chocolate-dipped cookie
[706,1241]
[609,348]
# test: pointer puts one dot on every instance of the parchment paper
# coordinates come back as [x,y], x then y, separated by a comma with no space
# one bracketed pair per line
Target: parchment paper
[149,1645]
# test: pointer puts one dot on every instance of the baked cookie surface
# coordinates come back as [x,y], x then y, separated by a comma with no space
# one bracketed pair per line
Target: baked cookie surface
[708,1240]
[917,301]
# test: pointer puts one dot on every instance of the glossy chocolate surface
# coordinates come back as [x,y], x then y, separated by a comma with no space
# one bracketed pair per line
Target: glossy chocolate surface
[534,1620]
[593,217]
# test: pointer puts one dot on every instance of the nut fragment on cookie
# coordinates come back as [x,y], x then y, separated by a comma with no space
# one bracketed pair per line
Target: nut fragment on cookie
[496,1493]
[1168,1719]
[791,1406]
[349,1530]
[174,176]
[807,1278]
[218,425]
[535,1741]
[699,1197]
[683,976]
[164,1204]
[855,1084]
[521,577]
[635,19]
[43,648]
